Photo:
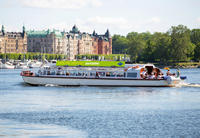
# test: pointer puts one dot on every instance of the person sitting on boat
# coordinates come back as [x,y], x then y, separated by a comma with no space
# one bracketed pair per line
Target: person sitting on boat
[97,75]
[152,76]
[107,74]
[59,72]
[67,74]
[144,74]
[160,75]
[39,72]
[49,71]
[168,73]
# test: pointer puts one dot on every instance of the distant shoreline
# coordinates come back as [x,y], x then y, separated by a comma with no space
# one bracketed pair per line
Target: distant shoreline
[180,65]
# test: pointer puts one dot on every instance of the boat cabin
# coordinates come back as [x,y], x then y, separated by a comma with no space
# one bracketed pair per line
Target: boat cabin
[147,71]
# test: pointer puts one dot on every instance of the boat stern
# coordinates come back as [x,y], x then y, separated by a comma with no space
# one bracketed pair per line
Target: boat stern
[173,81]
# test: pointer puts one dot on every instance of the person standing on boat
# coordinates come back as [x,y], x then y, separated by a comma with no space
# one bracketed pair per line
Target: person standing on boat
[178,73]
[168,72]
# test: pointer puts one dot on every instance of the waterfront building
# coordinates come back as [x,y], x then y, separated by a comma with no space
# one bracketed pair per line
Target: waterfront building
[70,43]
[84,43]
[13,42]
[102,44]
[52,42]
[78,43]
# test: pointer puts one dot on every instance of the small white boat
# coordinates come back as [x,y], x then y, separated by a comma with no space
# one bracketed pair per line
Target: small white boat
[21,65]
[84,76]
[6,65]
[35,64]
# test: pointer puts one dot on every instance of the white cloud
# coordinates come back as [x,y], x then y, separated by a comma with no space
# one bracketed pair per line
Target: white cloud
[63,4]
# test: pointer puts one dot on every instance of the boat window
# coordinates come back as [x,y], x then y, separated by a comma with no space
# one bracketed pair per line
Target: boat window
[79,74]
[92,74]
[110,74]
[133,75]
[44,72]
[72,74]
[85,74]
[53,73]
[101,73]
[120,75]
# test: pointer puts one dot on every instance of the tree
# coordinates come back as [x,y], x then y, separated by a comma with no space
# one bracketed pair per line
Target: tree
[120,44]
[136,46]
[162,43]
[197,52]
[180,43]
[195,36]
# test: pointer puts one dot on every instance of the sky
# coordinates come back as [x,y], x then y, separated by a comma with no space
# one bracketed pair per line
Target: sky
[119,16]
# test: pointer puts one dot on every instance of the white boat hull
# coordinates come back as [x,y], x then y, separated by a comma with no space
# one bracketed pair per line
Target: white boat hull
[66,81]
[21,67]
[6,66]
[35,65]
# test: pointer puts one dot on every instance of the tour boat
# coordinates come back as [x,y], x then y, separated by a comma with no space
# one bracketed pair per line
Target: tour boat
[90,74]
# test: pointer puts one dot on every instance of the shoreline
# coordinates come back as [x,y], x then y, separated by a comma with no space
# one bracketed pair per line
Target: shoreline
[180,65]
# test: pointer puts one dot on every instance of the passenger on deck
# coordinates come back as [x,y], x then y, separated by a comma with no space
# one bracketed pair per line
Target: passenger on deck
[59,71]
[178,73]
[67,73]
[49,71]
[152,76]
[39,72]
[144,74]
[160,75]
[168,73]
[97,75]
[107,74]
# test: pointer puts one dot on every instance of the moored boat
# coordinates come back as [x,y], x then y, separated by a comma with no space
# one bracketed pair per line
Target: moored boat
[35,64]
[146,75]
[21,65]
[6,65]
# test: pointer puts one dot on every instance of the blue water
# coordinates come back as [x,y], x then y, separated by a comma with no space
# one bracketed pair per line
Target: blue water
[93,112]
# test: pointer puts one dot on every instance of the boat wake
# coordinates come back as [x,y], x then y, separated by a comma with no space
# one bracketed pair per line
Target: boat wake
[184,84]
[51,85]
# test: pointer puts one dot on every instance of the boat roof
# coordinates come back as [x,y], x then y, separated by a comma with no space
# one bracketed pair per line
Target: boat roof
[91,63]
[139,65]
[128,67]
